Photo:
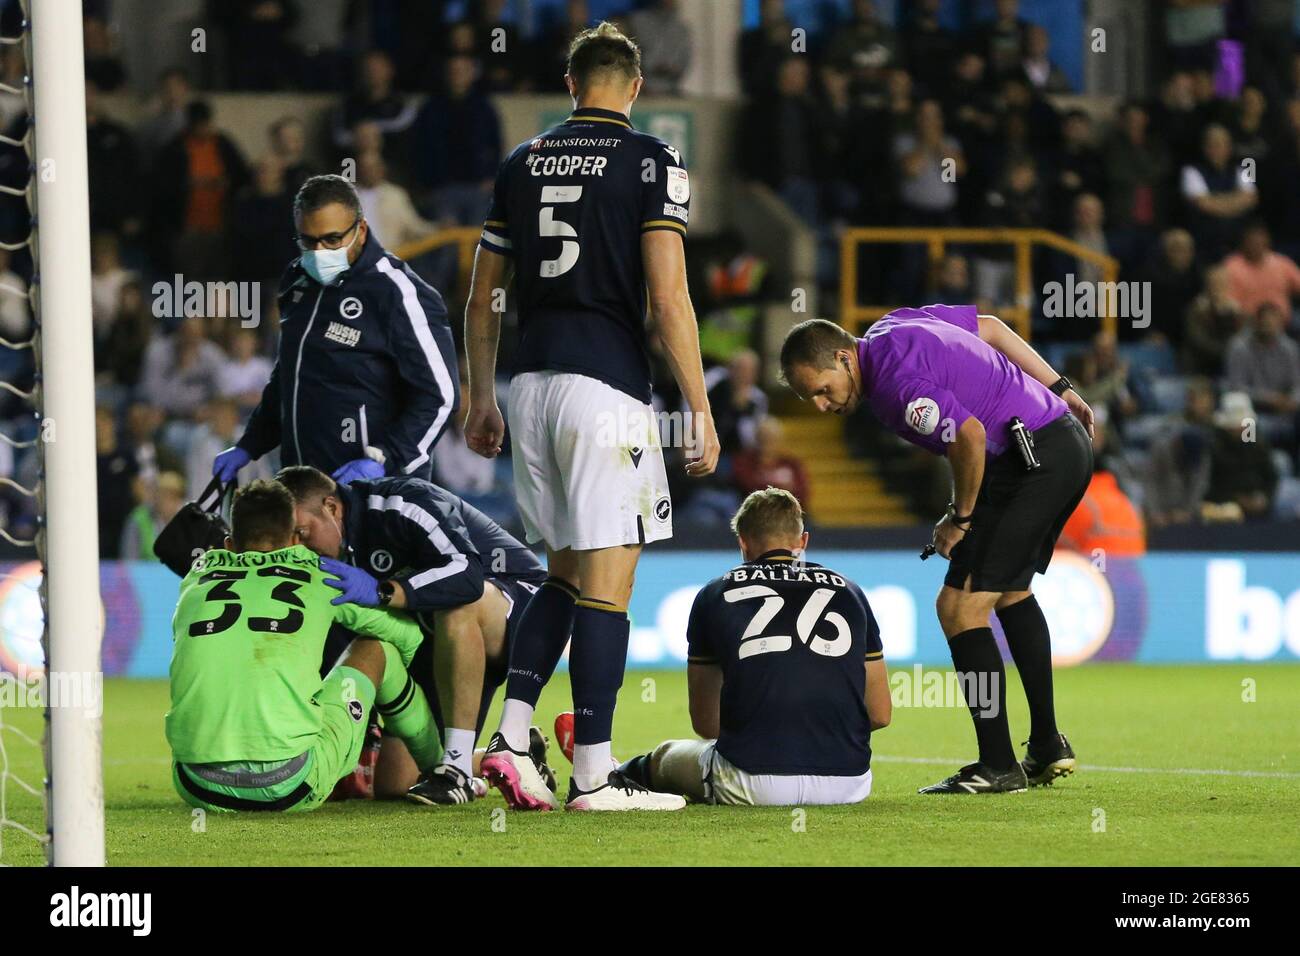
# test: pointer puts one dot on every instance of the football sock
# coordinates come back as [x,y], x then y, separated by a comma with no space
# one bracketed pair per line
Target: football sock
[978,662]
[459,750]
[543,631]
[362,689]
[516,718]
[1031,648]
[592,764]
[406,713]
[596,663]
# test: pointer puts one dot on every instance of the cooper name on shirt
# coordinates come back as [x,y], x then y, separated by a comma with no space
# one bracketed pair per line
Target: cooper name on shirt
[567,164]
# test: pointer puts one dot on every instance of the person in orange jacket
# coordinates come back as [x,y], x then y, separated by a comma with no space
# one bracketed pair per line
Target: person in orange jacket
[1106,519]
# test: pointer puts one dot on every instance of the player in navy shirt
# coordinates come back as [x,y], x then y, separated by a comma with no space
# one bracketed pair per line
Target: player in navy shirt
[588,218]
[562,210]
[786,677]
[406,543]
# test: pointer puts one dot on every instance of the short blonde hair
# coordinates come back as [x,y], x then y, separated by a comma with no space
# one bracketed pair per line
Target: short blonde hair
[768,514]
[603,49]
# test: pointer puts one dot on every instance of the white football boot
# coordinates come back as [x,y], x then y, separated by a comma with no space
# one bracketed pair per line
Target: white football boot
[521,781]
[621,792]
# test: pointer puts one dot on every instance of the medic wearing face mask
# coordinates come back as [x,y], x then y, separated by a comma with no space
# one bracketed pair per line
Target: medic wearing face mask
[365,379]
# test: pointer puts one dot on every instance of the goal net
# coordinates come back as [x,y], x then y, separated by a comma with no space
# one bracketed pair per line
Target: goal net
[51,779]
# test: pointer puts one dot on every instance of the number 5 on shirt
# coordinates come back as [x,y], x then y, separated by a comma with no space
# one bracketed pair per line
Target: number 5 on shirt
[548,225]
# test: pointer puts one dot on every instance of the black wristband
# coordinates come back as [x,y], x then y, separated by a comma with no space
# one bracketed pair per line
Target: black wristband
[960,519]
[1061,385]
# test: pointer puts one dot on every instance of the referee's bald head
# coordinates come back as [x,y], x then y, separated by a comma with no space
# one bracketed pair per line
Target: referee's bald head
[814,343]
[819,361]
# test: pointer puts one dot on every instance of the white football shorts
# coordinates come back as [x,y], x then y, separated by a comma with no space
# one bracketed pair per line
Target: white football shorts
[695,769]
[588,465]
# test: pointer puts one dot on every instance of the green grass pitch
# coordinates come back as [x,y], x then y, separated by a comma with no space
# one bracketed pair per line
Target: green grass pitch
[1178,769]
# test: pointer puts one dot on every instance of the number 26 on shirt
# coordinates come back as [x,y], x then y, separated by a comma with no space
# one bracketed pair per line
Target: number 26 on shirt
[755,641]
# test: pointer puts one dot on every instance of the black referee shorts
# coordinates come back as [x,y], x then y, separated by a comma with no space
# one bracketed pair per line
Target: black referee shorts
[1020,513]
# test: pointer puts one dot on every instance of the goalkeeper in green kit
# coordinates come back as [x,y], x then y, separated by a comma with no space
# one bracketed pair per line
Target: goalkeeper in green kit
[252,726]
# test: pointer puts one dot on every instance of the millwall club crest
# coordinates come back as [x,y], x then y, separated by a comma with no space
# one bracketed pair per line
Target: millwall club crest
[350,308]
[663,509]
[381,561]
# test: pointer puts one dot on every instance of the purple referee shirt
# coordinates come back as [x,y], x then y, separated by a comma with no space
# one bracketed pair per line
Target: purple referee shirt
[925,371]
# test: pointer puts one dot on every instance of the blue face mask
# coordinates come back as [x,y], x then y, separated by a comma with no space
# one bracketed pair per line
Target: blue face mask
[326,265]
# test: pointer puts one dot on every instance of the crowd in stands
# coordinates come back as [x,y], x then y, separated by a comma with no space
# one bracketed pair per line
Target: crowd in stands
[175,200]
[1191,190]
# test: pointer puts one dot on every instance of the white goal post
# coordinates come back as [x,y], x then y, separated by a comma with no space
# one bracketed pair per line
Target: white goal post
[74,620]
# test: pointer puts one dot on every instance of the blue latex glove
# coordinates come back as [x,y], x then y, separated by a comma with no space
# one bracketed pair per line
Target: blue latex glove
[226,465]
[359,468]
[358,586]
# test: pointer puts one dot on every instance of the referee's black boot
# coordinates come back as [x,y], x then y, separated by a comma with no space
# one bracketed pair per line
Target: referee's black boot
[1044,764]
[980,778]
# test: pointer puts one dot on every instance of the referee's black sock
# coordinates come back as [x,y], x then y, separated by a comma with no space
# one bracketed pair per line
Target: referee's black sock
[978,662]
[1031,648]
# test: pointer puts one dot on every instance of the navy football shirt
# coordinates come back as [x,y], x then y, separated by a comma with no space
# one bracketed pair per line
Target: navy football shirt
[570,207]
[791,638]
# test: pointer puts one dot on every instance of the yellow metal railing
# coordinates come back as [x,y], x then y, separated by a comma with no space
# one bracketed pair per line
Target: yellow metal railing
[464,238]
[853,315]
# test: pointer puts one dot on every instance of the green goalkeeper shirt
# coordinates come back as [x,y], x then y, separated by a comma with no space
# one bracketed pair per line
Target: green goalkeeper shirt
[249,634]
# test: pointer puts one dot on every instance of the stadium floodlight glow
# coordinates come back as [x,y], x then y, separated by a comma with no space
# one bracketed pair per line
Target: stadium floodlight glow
[74,625]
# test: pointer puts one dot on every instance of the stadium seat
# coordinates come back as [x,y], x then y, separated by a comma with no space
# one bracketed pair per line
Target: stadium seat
[1141,431]
[1157,358]
[1282,462]
[1169,394]
[1056,353]
[1286,506]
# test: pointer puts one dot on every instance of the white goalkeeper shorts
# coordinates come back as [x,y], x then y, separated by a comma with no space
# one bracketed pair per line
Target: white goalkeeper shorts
[588,467]
[695,769]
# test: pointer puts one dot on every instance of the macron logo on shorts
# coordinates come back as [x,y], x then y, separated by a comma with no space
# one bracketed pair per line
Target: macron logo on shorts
[922,415]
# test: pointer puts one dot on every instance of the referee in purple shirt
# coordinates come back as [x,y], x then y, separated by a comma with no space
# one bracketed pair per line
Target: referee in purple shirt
[1019,441]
